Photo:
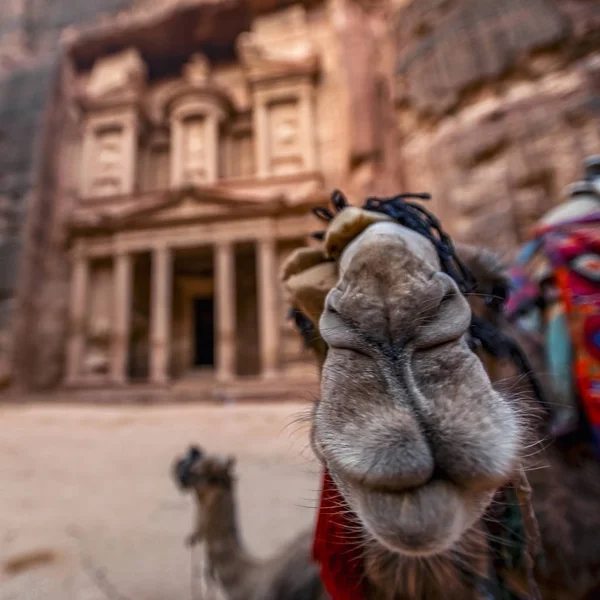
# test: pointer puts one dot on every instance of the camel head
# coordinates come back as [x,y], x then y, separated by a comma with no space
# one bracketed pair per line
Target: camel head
[207,475]
[409,425]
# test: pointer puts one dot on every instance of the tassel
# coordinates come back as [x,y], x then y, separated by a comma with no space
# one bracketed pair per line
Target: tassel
[339,558]
[533,547]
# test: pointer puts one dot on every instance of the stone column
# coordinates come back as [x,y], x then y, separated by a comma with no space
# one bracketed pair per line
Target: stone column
[176,153]
[225,300]
[130,156]
[211,137]
[122,317]
[268,317]
[87,161]
[307,119]
[261,138]
[160,347]
[78,309]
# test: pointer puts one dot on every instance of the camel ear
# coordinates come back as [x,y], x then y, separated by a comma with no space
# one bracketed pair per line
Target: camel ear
[230,463]
[301,260]
[307,276]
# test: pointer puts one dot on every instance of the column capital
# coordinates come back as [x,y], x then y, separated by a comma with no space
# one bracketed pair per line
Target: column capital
[79,251]
[161,245]
[267,233]
[121,252]
[225,244]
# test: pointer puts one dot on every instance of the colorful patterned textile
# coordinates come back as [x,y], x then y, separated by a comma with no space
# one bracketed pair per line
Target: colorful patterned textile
[557,294]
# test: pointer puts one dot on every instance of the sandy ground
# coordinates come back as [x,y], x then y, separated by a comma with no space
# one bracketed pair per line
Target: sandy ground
[88,510]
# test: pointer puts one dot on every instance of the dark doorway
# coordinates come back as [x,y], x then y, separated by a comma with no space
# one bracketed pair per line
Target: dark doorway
[204,334]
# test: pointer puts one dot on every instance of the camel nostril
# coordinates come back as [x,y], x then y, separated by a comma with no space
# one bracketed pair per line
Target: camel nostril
[400,471]
[448,318]
[448,297]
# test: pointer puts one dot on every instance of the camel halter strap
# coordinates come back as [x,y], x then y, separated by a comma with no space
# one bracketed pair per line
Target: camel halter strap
[518,530]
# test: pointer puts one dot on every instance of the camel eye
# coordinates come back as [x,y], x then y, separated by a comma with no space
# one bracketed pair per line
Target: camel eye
[496,298]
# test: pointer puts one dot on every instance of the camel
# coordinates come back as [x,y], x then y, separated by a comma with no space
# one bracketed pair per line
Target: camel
[419,425]
[290,575]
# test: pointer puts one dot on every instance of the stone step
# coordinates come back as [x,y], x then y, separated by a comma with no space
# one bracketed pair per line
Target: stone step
[192,389]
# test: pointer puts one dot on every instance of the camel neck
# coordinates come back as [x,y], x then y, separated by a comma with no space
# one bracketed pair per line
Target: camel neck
[226,553]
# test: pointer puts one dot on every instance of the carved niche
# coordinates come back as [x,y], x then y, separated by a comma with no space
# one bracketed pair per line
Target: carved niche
[196,110]
[284,138]
[241,157]
[194,150]
[110,103]
[157,168]
[107,173]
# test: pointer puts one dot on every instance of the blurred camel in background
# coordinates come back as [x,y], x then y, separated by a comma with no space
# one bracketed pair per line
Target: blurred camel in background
[289,575]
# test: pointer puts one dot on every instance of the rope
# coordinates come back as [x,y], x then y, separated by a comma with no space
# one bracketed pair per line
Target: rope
[192,573]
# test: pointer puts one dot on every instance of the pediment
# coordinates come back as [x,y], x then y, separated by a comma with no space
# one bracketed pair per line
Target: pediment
[187,208]
[190,204]
[201,204]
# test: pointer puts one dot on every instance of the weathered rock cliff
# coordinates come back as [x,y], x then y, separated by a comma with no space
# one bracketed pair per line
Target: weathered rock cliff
[497,105]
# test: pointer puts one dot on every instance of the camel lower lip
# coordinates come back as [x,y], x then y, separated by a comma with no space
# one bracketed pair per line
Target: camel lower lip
[421,522]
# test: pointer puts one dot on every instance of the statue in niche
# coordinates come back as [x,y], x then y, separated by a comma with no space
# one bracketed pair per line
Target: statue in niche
[195,148]
[286,155]
[107,180]
[287,132]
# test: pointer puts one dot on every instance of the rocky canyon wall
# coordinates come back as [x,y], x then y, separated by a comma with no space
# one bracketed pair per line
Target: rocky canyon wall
[497,104]
[30,31]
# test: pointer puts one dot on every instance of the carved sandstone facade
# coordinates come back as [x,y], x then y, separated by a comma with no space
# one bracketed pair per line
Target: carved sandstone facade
[192,187]
[497,105]
[185,142]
